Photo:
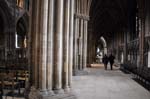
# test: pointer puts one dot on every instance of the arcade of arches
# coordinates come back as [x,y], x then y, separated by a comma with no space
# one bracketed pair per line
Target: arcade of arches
[44,43]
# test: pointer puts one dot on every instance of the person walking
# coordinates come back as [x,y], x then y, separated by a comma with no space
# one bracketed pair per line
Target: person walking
[105,61]
[111,60]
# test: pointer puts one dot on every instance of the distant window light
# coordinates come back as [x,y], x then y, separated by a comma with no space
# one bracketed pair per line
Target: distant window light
[25,42]
[16,41]
[98,50]
[20,3]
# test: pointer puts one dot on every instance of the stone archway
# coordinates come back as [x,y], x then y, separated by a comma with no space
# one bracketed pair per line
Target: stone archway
[104,44]
[101,49]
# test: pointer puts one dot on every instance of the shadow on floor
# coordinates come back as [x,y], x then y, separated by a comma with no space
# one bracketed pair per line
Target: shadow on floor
[125,71]
[143,84]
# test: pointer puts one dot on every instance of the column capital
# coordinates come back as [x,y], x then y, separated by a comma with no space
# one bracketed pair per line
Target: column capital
[82,16]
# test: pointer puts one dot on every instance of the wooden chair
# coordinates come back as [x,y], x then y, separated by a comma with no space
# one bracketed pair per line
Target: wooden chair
[8,83]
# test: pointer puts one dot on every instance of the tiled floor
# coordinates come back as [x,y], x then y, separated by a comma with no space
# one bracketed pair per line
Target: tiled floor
[102,84]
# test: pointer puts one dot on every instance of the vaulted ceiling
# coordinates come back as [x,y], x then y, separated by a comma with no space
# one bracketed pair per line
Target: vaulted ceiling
[109,16]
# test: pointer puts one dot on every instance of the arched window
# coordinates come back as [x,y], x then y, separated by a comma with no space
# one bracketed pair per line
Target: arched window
[21,34]
[23,4]
[20,3]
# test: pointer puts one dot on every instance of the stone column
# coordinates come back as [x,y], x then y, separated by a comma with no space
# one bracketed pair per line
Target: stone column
[80,57]
[66,45]
[43,48]
[53,41]
[75,43]
[141,12]
[58,47]
[35,20]
[85,45]
[40,48]
[29,49]
[116,46]
[50,45]
[81,45]
[90,42]
[76,35]
[71,42]
[125,46]
[141,37]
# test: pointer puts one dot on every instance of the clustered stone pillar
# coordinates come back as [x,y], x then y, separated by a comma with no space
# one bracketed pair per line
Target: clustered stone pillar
[76,46]
[71,42]
[76,41]
[52,49]
[50,45]
[141,29]
[85,44]
[66,45]
[91,46]
[80,43]
[43,48]
[58,46]
[141,33]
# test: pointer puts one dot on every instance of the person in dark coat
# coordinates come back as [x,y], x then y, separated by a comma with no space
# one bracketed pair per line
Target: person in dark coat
[105,61]
[111,60]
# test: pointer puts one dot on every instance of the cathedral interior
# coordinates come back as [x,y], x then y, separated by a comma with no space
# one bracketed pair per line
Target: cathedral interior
[54,49]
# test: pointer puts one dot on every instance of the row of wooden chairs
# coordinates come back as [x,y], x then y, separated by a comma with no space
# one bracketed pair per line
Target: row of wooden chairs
[12,81]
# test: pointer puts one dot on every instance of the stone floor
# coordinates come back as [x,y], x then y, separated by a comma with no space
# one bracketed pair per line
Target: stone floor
[102,84]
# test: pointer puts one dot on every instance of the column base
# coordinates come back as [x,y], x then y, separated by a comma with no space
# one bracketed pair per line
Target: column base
[50,92]
[67,89]
[80,72]
[58,91]
[36,94]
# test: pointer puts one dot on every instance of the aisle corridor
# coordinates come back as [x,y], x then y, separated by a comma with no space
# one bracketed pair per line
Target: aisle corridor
[101,84]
